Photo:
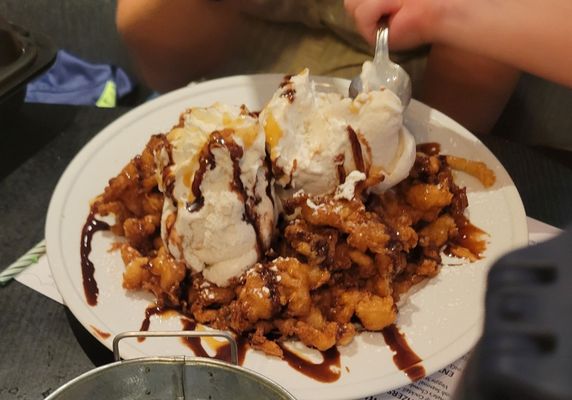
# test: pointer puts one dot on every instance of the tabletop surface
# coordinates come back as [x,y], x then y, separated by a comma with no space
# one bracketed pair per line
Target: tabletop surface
[42,345]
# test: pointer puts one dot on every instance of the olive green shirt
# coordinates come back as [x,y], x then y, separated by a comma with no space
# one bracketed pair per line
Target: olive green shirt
[285,36]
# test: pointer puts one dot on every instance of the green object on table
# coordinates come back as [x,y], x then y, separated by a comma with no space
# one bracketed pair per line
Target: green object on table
[108,98]
[31,257]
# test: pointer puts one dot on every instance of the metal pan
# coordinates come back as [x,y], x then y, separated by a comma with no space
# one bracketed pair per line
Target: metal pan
[154,378]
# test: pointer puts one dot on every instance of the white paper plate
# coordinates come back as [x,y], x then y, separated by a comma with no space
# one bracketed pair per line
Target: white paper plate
[442,320]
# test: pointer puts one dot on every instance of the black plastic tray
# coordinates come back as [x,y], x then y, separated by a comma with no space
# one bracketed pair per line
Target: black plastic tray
[23,56]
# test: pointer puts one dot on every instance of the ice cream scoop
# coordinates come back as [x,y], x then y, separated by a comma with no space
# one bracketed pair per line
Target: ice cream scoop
[218,213]
[316,139]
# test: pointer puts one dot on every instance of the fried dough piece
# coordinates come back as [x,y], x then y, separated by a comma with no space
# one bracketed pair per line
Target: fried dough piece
[374,312]
[170,272]
[438,232]
[256,301]
[427,197]
[365,230]
[260,341]
[139,231]
[136,268]
[133,193]
[316,331]
[296,281]
[318,245]
[159,273]
[478,169]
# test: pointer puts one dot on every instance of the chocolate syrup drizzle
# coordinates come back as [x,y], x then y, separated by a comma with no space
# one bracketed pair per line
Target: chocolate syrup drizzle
[356,149]
[404,358]
[321,372]
[430,148]
[289,93]
[90,227]
[222,353]
[327,371]
[268,175]
[245,111]
[469,237]
[149,312]
[285,80]
[100,333]
[339,160]
[207,161]
[194,343]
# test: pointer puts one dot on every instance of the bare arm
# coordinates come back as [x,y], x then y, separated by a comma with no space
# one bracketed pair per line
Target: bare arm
[175,41]
[470,88]
[535,36]
[531,35]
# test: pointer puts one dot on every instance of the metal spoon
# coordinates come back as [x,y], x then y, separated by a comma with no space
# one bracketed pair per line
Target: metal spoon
[382,72]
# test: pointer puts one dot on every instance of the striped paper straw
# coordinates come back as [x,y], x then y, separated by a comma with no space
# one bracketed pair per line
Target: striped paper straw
[31,257]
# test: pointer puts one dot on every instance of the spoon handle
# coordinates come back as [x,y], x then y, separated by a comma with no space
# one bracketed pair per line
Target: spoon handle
[382,43]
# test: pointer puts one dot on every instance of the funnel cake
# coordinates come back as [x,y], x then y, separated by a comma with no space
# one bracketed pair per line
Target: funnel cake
[337,264]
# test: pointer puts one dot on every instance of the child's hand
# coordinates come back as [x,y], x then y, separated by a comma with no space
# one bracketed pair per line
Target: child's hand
[412,22]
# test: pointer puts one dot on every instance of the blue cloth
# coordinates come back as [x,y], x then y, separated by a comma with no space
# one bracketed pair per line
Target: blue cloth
[71,80]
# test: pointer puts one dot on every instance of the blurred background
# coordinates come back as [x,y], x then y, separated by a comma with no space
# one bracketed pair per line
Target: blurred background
[537,114]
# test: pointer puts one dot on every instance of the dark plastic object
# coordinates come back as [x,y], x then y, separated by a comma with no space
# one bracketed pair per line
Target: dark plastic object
[23,56]
[526,349]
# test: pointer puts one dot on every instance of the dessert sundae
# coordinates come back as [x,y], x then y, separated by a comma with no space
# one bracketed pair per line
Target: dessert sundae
[307,220]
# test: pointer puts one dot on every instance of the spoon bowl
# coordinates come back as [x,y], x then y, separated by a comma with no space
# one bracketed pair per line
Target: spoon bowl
[382,72]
